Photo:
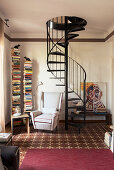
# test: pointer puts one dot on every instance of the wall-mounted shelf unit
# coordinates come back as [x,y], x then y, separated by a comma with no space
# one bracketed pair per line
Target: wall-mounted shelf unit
[16,79]
[27,85]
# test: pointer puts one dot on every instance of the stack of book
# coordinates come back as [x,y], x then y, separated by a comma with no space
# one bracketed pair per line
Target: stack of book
[27,82]
[108,139]
[16,79]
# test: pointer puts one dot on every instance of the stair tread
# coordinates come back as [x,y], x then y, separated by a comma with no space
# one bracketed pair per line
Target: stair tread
[72,107]
[70,91]
[77,107]
[60,84]
[62,44]
[71,99]
[56,53]
[57,77]
[56,62]
[78,21]
[75,102]
[71,36]
[76,29]
[54,70]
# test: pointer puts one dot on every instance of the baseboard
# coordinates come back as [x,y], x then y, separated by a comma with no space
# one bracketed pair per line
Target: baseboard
[87,121]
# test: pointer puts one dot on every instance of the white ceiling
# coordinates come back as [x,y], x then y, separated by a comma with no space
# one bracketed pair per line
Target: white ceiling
[29,17]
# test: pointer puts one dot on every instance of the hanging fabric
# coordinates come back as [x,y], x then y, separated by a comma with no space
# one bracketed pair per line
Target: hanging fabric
[2,113]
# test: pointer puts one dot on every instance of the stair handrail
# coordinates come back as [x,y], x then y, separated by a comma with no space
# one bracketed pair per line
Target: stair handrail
[79,65]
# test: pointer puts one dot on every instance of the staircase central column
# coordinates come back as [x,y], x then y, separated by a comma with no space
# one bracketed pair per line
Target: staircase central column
[66,74]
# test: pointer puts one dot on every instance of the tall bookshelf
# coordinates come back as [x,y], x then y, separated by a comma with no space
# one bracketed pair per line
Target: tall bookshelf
[16,79]
[27,85]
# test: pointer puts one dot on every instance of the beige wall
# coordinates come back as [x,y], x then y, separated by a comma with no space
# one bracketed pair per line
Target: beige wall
[94,57]
[96,60]
[37,53]
[7,80]
[112,43]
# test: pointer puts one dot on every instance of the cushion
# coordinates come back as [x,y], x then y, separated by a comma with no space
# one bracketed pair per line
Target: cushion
[49,110]
[44,118]
[8,155]
[1,164]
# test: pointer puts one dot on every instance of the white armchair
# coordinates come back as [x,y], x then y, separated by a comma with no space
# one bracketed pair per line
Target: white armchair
[48,117]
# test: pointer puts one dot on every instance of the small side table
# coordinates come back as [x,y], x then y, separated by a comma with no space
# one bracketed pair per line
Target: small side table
[24,116]
[5,138]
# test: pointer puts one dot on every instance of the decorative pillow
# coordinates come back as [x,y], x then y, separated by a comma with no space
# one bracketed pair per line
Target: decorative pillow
[49,110]
[1,164]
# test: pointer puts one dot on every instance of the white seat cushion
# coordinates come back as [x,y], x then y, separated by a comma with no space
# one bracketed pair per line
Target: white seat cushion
[44,118]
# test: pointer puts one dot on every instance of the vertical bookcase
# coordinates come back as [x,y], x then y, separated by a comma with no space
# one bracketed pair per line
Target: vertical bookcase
[16,79]
[27,85]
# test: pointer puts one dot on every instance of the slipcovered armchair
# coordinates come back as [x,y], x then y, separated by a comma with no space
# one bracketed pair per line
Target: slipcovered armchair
[48,117]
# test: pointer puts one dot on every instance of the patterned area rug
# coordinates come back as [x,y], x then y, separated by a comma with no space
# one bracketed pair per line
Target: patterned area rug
[68,159]
[91,137]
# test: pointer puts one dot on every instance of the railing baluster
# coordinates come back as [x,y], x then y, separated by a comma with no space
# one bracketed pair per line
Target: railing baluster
[52,49]
[77,78]
[73,74]
[69,72]
[83,84]
[49,44]
[80,81]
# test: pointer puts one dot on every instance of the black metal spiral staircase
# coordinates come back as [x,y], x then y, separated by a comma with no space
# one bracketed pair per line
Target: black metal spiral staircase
[70,73]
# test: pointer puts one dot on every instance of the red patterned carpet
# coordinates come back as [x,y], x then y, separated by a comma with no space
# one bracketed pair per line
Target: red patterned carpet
[91,137]
[68,159]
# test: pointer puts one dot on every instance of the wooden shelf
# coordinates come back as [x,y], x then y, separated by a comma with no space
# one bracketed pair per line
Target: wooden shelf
[16,78]
[27,82]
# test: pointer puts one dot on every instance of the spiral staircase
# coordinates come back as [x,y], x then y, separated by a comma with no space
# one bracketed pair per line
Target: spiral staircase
[71,74]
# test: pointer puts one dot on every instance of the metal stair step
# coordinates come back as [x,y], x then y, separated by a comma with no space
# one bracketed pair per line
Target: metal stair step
[57,53]
[56,62]
[75,102]
[60,84]
[62,44]
[76,29]
[71,36]
[57,77]
[76,107]
[54,70]
[72,107]
[71,99]
[77,21]
[70,91]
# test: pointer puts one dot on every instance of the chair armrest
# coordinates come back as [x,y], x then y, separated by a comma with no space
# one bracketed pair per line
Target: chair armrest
[35,113]
[56,113]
